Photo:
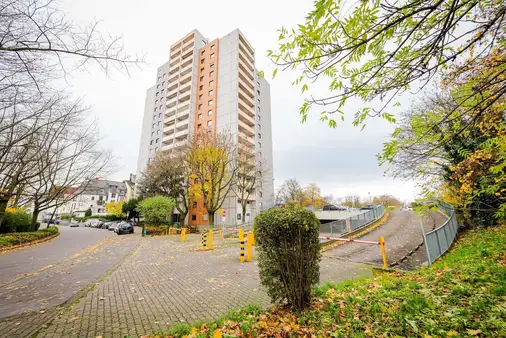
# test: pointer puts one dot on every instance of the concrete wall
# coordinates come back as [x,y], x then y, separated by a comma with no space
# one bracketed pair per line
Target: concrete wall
[146,137]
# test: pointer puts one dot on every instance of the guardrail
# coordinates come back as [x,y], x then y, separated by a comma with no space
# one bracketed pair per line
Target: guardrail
[439,240]
[343,226]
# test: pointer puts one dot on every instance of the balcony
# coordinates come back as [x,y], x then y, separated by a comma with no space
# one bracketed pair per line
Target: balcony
[186,63]
[185,79]
[246,65]
[181,135]
[245,128]
[184,97]
[168,139]
[173,78]
[188,45]
[171,103]
[172,86]
[187,55]
[172,93]
[245,140]
[246,90]
[245,98]
[170,113]
[169,121]
[189,38]
[245,79]
[246,55]
[185,88]
[244,44]
[182,109]
[246,118]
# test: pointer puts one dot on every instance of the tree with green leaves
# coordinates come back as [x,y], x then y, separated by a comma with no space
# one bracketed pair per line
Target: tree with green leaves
[157,210]
[130,208]
[375,50]
[88,213]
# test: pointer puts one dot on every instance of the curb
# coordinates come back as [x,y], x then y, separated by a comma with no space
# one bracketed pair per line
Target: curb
[27,244]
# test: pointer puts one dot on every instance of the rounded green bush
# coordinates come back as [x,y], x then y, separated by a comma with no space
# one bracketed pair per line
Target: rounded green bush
[289,254]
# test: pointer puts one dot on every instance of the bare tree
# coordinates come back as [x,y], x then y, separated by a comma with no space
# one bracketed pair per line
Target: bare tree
[170,175]
[67,155]
[38,43]
[213,162]
[248,178]
[290,192]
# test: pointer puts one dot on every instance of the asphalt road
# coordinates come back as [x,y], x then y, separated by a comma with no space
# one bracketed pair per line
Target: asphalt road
[49,273]
[402,234]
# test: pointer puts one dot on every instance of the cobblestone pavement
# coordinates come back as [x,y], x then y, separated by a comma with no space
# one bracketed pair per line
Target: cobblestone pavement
[402,234]
[70,242]
[31,299]
[166,282]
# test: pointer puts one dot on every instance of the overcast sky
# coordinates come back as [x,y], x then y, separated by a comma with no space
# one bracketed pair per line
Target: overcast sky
[341,161]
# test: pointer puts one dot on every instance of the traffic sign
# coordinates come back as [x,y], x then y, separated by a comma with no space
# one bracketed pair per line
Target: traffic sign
[224,213]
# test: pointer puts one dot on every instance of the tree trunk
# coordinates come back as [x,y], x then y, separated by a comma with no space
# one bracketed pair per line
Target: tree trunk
[243,213]
[211,219]
[35,215]
[182,217]
[3,206]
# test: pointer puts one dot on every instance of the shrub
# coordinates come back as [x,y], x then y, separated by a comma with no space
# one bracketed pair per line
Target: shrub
[16,220]
[156,210]
[87,213]
[156,230]
[24,237]
[289,254]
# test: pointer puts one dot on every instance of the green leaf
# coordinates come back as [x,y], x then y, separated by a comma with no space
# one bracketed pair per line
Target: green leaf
[274,73]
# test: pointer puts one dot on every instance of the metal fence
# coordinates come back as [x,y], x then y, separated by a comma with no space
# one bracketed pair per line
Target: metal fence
[342,226]
[439,240]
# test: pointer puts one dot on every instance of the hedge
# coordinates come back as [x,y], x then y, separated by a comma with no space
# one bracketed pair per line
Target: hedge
[16,238]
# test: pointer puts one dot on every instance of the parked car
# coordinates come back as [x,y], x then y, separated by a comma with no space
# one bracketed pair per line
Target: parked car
[113,226]
[124,228]
[106,225]
[331,207]
[368,207]
[74,224]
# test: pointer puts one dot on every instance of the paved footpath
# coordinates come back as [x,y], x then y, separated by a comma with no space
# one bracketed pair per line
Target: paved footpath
[402,234]
[38,279]
[166,282]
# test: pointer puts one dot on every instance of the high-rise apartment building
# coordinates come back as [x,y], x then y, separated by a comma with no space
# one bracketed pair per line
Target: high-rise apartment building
[213,87]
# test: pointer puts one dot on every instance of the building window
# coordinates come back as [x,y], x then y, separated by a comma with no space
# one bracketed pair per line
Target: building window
[259,145]
[258,109]
[199,126]
[209,123]
[154,125]
[259,136]
[156,101]
[153,133]
[211,93]
[162,91]
[259,127]
[157,140]
[259,118]
[258,83]
[113,195]
[210,102]
[92,198]
[211,74]
[201,96]
[212,55]
[201,87]
[164,76]
[212,47]
[158,132]
[149,160]
[260,194]
[202,61]
[159,115]
[211,65]
[203,52]
[154,117]
[157,93]
[194,205]
[163,83]
[258,92]
[156,149]
[209,112]
[201,78]
[200,106]
[202,69]
[258,101]
[159,123]
[211,83]
[238,217]
[159,78]
[151,143]
[156,108]
[194,217]
[200,116]
[157,86]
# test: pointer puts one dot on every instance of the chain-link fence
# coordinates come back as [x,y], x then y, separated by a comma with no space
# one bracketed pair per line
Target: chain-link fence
[439,240]
[342,226]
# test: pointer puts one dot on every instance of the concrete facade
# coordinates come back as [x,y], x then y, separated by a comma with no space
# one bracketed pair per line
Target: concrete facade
[215,85]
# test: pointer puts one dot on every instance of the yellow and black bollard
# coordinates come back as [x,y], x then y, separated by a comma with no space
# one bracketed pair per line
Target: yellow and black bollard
[249,257]
[241,240]
[221,233]
[204,241]
[210,244]
[383,252]
[183,234]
